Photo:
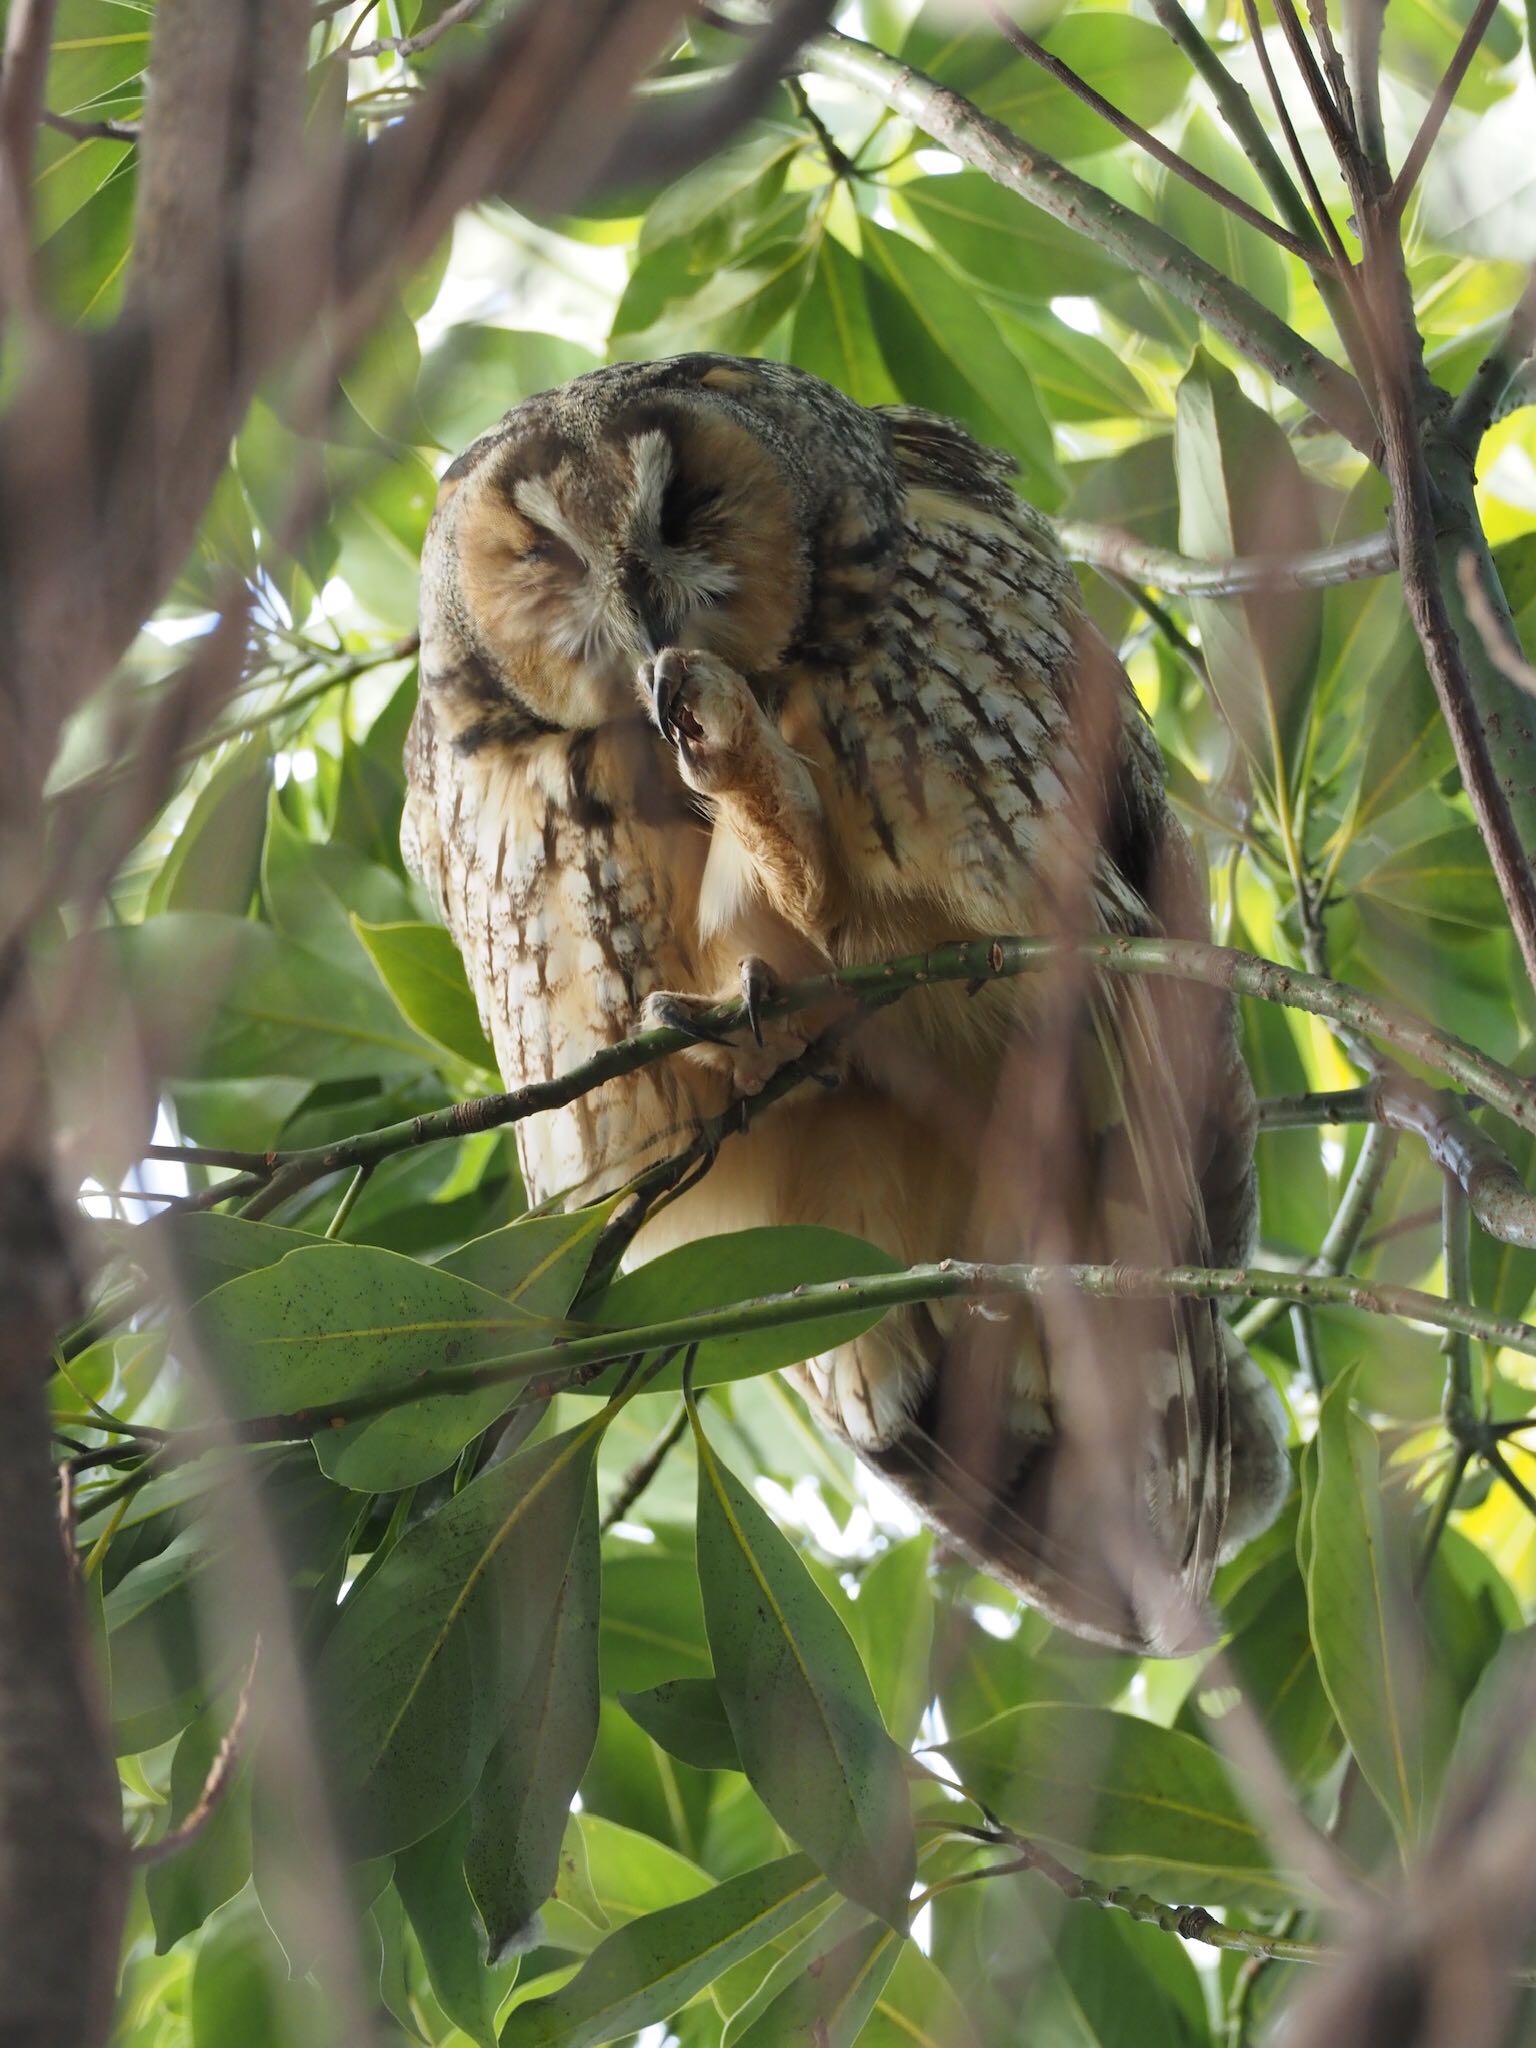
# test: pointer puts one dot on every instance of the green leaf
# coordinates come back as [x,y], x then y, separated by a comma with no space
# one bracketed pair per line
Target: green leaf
[1241,492]
[713,1272]
[892,1621]
[1106,1987]
[213,1865]
[537,1263]
[653,1621]
[340,1320]
[1229,245]
[1134,65]
[430,1879]
[945,353]
[828,2004]
[475,374]
[1273,1660]
[1075,376]
[241,1993]
[799,1701]
[420,966]
[687,1717]
[427,1659]
[520,1807]
[1392,1707]
[918,2007]
[225,998]
[1002,241]
[207,1249]
[313,889]
[832,336]
[644,1972]
[1137,1804]
[214,861]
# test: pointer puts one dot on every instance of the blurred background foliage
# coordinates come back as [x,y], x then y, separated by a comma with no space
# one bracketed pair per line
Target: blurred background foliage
[290,979]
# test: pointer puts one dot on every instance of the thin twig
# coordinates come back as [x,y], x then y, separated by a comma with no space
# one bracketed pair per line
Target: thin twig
[1314,257]
[1111,548]
[424,38]
[1347,1225]
[1434,119]
[28,44]
[1333,63]
[644,1470]
[1299,156]
[1190,1923]
[1507,656]
[1479,404]
[91,131]
[1456,1243]
[215,1785]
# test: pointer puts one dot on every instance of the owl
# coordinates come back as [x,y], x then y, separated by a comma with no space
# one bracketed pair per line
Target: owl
[727,679]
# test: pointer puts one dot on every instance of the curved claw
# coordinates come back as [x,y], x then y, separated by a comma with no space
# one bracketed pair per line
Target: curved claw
[759,984]
[665,680]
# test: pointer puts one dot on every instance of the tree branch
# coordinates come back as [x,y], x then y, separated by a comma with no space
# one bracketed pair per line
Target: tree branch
[1475,409]
[1010,161]
[424,38]
[950,1279]
[1309,252]
[274,1176]
[1109,547]
[220,1772]
[1434,120]
[23,69]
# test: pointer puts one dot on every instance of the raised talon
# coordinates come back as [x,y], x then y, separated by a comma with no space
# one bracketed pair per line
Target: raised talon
[664,680]
[759,984]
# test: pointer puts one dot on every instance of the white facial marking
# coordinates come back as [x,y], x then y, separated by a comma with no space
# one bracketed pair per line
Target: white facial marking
[651,454]
[537,501]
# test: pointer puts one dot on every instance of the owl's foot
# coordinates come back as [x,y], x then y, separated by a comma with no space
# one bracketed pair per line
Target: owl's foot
[704,709]
[749,1066]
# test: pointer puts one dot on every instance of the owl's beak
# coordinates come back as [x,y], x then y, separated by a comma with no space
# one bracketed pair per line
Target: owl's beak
[655,619]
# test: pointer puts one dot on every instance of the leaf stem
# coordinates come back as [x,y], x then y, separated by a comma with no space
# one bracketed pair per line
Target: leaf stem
[877,1292]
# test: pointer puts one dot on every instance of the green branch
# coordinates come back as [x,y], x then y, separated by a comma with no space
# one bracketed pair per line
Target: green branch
[950,1279]
[1109,547]
[1008,160]
[271,1177]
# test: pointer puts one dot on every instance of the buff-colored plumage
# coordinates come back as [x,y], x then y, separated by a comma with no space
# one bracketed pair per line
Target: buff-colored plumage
[718,665]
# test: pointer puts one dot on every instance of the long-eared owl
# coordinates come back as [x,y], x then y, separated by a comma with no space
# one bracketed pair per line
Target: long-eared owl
[725,676]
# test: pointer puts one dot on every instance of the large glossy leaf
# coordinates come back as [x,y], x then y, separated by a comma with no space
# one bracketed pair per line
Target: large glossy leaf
[213,863]
[687,1717]
[211,1867]
[429,1658]
[313,889]
[1001,240]
[1134,65]
[832,335]
[1227,243]
[519,1810]
[644,1972]
[430,1878]
[1135,1803]
[1391,1703]
[1241,492]
[338,1320]
[225,998]
[735,1266]
[799,1702]
[944,353]
[420,966]
[827,2004]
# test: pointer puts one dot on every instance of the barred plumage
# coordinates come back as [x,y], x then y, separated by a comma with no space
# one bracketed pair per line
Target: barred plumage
[717,664]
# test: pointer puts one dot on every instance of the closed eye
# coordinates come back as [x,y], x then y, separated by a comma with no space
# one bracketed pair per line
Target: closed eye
[559,554]
[683,505]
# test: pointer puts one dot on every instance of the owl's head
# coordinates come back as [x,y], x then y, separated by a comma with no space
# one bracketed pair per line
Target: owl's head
[704,502]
